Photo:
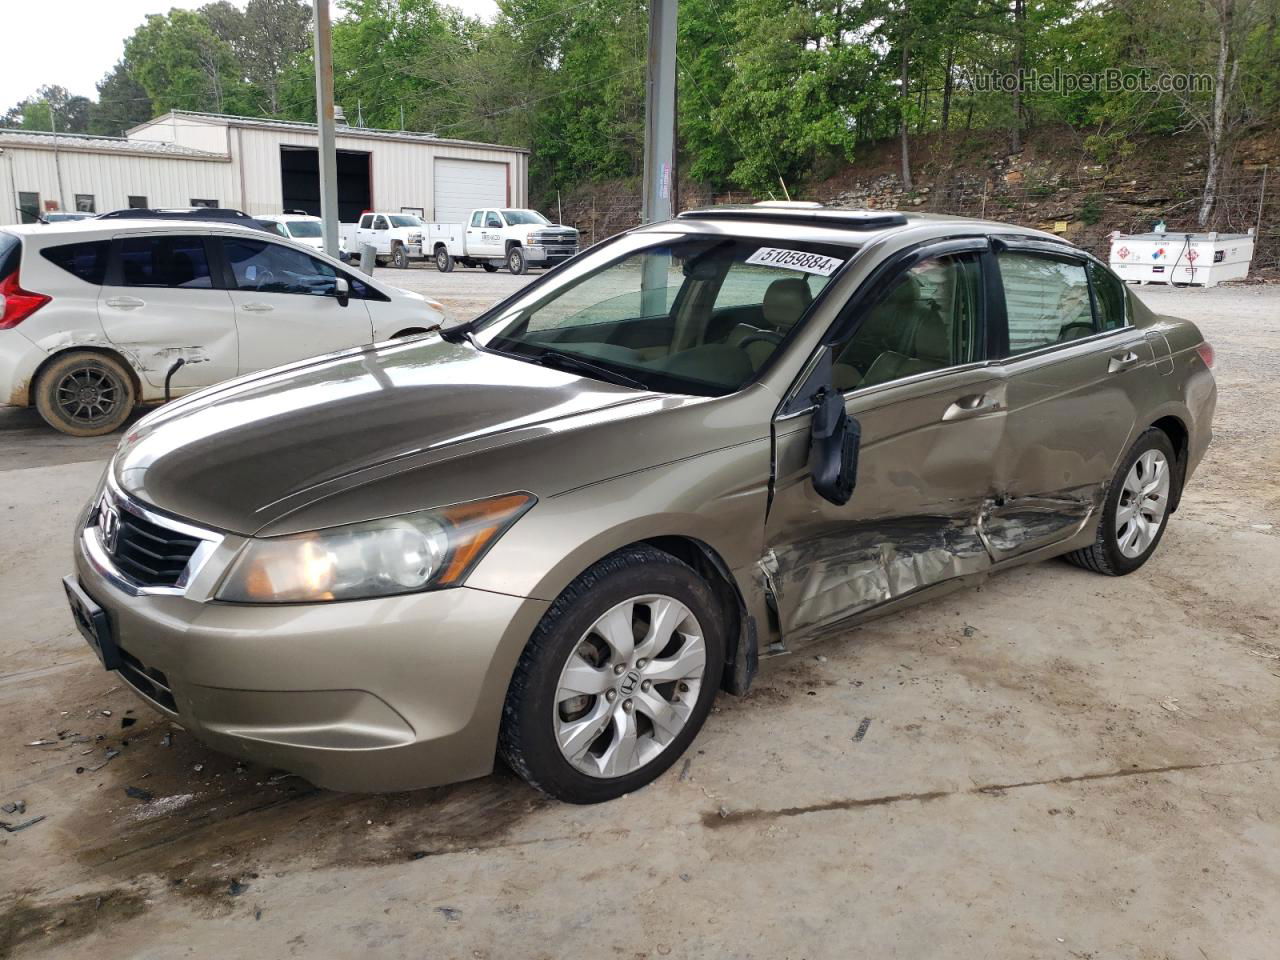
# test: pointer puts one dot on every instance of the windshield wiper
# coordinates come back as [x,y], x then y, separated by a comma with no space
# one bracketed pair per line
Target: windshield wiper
[572,362]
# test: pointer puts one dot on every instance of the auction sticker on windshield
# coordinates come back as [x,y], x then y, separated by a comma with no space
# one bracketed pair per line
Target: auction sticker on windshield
[795,260]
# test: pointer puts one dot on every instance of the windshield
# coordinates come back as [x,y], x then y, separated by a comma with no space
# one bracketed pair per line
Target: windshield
[304,228]
[695,314]
[405,220]
[520,218]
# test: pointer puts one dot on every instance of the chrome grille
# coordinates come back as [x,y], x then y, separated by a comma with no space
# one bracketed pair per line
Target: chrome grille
[142,548]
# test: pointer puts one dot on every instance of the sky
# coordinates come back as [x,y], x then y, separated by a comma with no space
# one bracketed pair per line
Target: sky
[73,43]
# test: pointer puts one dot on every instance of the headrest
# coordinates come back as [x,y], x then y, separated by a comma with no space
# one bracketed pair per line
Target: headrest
[933,341]
[785,300]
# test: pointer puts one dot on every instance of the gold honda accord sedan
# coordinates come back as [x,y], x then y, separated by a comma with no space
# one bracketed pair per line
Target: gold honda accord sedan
[554,533]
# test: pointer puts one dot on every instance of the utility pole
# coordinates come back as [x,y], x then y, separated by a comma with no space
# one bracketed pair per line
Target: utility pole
[324,120]
[658,198]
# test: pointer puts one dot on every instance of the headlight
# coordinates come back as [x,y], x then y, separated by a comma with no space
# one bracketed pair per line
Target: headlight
[434,304]
[417,551]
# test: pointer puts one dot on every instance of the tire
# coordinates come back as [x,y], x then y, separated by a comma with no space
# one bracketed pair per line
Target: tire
[400,256]
[534,720]
[1122,547]
[85,394]
[489,268]
[444,260]
[516,263]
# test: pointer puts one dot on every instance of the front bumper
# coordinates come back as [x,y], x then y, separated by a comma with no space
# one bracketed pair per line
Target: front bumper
[536,253]
[394,693]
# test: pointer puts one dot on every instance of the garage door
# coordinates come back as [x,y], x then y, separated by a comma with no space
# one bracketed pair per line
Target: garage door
[463,184]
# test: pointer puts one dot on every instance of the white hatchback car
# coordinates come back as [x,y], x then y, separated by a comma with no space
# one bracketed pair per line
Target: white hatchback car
[98,314]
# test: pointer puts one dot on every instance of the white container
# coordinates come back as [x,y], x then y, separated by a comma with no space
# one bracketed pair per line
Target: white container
[1199,259]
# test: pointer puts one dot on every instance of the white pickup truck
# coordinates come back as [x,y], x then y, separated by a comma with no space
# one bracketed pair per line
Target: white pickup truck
[396,236]
[493,237]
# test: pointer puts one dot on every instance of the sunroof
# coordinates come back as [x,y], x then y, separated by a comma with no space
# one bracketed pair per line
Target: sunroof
[826,217]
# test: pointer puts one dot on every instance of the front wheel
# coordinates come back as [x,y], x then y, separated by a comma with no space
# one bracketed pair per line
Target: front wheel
[1136,510]
[400,256]
[516,262]
[616,680]
[444,260]
[85,394]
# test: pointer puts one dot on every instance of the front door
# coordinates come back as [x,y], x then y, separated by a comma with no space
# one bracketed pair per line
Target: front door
[286,306]
[931,416]
[1075,370]
[485,240]
[160,304]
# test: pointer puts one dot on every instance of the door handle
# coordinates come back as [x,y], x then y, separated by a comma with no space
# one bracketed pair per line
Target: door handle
[972,405]
[256,307]
[1122,361]
[125,303]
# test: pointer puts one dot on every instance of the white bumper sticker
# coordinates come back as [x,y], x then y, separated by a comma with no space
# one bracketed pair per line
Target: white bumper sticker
[795,260]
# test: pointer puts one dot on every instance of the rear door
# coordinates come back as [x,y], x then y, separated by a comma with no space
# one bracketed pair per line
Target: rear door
[932,415]
[1075,370]
[286,307]
[162,302]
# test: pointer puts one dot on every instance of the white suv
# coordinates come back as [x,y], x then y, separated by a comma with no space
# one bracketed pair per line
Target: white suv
[98,314]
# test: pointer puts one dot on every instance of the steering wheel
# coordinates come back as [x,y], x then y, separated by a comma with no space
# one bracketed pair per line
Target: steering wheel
[264,279]
[1082,324]
[767,336]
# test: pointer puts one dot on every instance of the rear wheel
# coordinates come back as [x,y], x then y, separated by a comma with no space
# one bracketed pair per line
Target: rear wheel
[516,262]
[616,680]
[444,260]
[1136,511]
[85,394]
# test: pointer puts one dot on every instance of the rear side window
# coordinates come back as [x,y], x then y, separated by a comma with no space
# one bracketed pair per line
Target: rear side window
[88,261]
[477,218]
[166,261]
[10,254]
[1047,301]
[1109,295]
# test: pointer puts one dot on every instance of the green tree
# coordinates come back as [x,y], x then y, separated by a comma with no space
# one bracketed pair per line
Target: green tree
[122,103]
[183,64]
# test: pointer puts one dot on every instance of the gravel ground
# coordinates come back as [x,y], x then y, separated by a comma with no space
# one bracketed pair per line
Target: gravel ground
[1054,765]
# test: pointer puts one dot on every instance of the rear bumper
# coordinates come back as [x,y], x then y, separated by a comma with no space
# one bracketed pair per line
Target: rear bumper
[19,360]
[373,695]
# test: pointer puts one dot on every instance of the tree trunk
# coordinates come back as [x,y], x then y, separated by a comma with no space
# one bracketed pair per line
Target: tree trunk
[1019,60]
[948,85]
[904,94]
[1221,94]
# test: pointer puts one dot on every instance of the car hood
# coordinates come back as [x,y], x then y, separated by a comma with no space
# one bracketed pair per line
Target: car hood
[375,432]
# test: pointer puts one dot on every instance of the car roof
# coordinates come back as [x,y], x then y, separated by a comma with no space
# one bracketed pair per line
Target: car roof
[799,222]
[94,228]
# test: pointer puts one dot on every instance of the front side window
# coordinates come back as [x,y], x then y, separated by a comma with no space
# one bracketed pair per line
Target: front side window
[492,220]
[928,320]
[521,218]
[267,267]
[379,223]
[88,261]
[1046,299]
[165,261]
[692,314]
[1109,297]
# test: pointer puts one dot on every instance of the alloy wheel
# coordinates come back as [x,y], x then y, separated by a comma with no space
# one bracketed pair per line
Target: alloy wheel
[629,686]
[1144,500]
[89,396]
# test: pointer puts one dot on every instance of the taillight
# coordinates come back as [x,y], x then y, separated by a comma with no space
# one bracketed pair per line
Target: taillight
[18,303]
[1206,353]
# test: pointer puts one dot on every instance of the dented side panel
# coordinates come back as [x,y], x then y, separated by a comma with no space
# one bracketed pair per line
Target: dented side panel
[152,327]
[915,518]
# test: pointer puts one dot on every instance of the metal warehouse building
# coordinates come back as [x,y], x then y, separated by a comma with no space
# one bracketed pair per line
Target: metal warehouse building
[184,159]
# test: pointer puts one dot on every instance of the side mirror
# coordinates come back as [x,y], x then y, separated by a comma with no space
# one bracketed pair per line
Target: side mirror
[342,290]
[833,448]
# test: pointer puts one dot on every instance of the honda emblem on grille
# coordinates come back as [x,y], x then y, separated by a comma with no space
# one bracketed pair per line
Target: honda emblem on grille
[109,526]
